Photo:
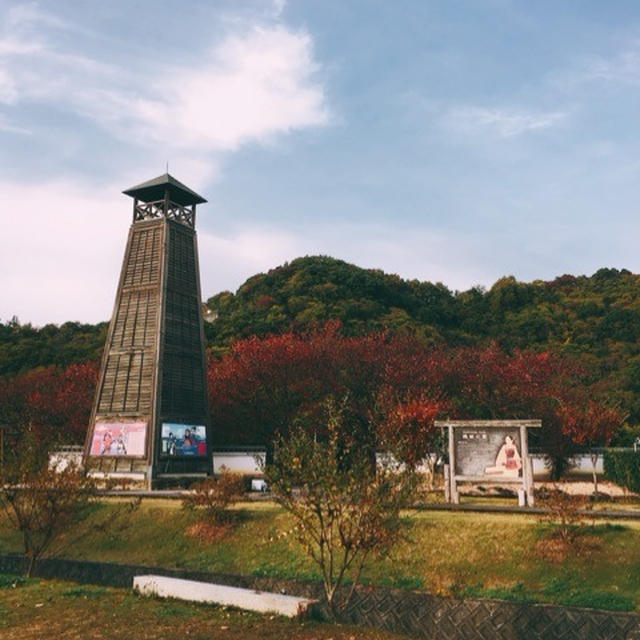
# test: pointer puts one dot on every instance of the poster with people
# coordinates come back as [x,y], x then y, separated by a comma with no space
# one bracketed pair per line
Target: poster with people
[183,439]
[493,452]
[119,439]
[508,461]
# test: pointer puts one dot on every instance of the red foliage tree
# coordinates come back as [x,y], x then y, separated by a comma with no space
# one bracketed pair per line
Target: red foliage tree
[488,383]
[409,426]
[262,386]
[396,385]
[54,403]
[590,424]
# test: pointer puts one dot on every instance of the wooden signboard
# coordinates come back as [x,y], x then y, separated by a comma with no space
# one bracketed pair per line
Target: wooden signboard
[489,451]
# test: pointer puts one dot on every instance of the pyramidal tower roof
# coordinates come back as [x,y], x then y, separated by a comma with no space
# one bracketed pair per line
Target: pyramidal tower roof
[154,189]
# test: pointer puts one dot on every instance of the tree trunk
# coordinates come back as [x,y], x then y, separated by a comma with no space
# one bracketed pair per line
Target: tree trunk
[31,566]
[431,466]
[594,460]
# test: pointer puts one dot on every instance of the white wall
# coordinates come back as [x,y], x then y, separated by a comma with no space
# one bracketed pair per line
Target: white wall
[389,461]
[581,464]
[238,461]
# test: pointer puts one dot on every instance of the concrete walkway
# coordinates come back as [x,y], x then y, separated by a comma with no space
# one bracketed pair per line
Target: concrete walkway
[601,514]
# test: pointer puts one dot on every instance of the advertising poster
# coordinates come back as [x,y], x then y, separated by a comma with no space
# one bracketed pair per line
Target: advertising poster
[183,439]
[119,439]
[491,452]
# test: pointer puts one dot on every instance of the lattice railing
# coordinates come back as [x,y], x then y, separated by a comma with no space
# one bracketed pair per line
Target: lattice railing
[164,209]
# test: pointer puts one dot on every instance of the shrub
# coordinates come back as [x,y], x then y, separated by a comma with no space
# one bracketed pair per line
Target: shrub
[42,504]
[566,517]
[10,581]
[214,496]
[346,507]
[562,591]
[622,467]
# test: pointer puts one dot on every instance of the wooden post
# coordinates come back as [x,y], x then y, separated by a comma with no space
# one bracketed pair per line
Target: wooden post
[447,485]
[531,501]
[455,498]
[527,469]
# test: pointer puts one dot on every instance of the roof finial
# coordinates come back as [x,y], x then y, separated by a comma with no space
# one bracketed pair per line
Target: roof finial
[167,167]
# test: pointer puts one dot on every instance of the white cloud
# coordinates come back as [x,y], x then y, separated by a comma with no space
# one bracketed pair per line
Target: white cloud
[252,86]
[11,45]
[27,14]
[8,93]
[227,261]
[255,83]
[619,67]
[62,247]
[623,67]
[6,126]
[505,123]
[61,251]
[278,7]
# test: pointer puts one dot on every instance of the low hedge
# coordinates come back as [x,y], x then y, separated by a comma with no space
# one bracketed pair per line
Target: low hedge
[622,466]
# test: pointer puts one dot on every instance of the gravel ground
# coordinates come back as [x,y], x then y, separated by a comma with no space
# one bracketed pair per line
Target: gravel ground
[582,488]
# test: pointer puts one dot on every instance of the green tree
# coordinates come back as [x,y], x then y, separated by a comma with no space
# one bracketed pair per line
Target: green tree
[346,508]
[41,502]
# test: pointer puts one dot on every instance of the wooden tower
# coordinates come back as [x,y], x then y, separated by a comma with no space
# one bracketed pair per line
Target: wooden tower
[150,420]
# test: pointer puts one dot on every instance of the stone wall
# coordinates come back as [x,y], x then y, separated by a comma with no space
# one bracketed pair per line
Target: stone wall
[417,614]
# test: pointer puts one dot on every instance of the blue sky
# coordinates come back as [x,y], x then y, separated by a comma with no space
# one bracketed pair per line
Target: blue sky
[455,141]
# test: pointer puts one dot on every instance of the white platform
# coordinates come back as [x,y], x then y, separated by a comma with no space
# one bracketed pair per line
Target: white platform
[261,601]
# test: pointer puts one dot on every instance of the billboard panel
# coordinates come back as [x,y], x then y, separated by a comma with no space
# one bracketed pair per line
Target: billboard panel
[119,439]
[492,452]
[183,439]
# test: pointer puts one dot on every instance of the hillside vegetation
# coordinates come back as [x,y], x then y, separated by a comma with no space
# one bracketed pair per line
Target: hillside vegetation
[596,318]
[23,347]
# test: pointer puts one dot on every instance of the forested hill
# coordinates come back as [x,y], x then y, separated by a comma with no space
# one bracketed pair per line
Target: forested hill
[597,317]
[314,290]
[23,347]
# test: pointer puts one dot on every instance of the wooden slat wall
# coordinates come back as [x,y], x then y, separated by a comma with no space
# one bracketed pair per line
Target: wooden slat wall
[183,378]
[156,339]
[128,370]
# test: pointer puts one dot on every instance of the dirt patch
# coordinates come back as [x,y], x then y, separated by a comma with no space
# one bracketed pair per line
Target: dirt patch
[207,532]
[581,488]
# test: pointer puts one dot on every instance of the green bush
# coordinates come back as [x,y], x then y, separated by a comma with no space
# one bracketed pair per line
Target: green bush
[514,593]
[622,466]
[88,593]
[564,592]
[9,581]
[214,496]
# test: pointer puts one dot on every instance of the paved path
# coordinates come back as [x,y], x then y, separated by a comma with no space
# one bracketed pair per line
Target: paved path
[613,514]
[603,514]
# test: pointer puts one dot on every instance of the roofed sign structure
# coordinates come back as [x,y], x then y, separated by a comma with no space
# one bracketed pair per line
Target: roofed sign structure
[150,419]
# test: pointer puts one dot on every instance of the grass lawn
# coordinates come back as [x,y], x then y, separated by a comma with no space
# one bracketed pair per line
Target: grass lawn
[492,555]
[42,610]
